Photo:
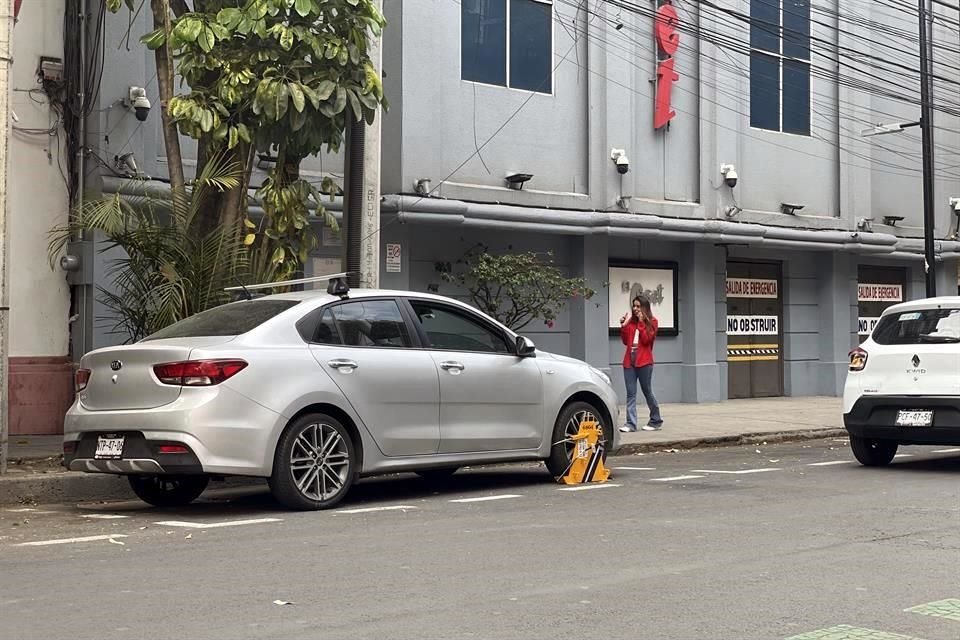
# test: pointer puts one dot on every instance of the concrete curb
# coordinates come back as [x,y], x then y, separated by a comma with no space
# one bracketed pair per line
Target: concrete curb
[68,486]
[631,448]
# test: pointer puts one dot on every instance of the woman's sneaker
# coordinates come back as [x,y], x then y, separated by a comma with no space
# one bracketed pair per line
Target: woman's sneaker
[648,427]
[627,429]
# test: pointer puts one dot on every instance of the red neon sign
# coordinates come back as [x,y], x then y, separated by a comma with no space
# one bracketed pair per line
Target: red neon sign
[668,41]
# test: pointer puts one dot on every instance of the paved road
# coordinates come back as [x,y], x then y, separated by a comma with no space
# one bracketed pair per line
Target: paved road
[799,543]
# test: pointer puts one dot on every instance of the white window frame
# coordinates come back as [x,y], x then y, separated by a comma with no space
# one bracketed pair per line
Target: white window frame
[780,59]
[553,74]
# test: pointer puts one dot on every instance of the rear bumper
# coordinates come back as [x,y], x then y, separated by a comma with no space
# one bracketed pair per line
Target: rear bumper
[139,456]
[876,416]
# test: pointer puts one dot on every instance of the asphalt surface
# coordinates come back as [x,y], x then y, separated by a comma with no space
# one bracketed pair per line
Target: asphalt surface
[799,550]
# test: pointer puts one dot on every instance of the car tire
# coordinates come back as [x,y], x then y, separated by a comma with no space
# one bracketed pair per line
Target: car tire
[315,463]
[568,423]
[437,475]
[871,452]
[168,491]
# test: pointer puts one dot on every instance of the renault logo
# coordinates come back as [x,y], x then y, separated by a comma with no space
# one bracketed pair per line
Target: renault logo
[116,365]
[916,360]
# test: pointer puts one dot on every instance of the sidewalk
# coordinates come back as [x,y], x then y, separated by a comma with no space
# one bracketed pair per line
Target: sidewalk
[34,475]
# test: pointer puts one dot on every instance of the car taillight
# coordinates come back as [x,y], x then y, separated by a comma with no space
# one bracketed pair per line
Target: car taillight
[858,359]
[173,448]
[81,379]
[198,373]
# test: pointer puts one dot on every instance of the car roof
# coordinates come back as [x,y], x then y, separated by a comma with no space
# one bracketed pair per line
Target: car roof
[949,302]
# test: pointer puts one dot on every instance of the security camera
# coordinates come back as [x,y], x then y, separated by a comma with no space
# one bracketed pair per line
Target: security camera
[623,165]
[620,159]
[70,263]
[729,173]
[137,101]
[955,205]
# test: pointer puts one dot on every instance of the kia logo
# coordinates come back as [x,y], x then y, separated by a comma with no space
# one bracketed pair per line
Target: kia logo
[116,365]
[916,360]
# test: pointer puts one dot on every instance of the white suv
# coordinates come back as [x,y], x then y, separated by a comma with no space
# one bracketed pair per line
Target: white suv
[903,386]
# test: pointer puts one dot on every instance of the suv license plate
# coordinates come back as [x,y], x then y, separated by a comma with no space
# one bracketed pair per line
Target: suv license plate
[109,448]
[914,418]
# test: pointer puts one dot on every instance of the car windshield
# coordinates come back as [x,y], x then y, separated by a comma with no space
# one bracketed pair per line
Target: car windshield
[919,327]
[231,319]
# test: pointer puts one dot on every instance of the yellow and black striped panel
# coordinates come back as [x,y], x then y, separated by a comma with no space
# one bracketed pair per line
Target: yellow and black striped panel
[752,352]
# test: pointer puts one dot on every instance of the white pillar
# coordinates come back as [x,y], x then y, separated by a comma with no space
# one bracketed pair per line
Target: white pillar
[6,33]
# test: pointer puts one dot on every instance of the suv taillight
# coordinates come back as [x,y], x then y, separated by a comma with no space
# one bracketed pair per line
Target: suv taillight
[858,359]
[81,379]
[198,373]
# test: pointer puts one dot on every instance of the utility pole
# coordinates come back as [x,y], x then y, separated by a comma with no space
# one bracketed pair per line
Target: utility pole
[6,57]
[925,11]
[361,206]
[925,123]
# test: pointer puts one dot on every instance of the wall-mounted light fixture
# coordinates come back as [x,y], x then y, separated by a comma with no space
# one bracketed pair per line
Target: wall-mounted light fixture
[790,209]
[516,180]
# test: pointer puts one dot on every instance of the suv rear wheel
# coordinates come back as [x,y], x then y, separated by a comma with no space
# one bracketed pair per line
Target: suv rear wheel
[871,452]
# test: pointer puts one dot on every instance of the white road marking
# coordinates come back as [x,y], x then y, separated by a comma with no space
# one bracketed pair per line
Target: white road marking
[830,463]
[104,516]
[634,468]
[505,496]
[674,478]
[740,472]
[214,525]
[44,543]
[399,507]
[30,510]
[586,487]
[903,455]
[946,451]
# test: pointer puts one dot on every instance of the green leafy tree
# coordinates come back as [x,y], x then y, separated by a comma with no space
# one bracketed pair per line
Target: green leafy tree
[516,289]
[261,76]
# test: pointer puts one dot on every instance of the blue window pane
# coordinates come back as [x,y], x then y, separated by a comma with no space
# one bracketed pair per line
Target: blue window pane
[764,92]
[531,25]
[796,29]
[483,46]
[765,25]
[796,97]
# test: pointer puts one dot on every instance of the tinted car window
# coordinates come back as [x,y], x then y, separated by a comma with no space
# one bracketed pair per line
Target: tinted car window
[326,331]
[231,319]
[453,330]
[370,323]
[919,327]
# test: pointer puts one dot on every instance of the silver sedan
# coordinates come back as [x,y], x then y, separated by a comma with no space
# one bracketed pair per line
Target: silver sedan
[312,390]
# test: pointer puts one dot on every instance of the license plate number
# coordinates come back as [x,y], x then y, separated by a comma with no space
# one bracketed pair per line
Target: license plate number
[109,448]
[914,418]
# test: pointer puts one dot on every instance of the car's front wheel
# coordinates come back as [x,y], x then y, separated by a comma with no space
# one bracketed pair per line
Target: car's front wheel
[315,463]
[567,426]
[871,452]
[168,491]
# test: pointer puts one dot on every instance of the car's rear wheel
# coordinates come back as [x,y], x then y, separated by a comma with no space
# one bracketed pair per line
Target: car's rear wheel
[437,475]
[871,452]
[168,491]
[315,463]
[568,425]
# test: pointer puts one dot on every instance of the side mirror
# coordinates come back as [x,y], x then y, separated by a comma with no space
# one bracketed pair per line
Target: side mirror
[525,347]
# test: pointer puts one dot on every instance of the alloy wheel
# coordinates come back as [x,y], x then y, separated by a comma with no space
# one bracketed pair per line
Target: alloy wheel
[319,462]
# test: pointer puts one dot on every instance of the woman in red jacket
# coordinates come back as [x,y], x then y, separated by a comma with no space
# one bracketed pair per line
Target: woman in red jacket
[638,331]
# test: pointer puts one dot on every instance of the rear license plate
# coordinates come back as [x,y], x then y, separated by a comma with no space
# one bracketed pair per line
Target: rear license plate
[109,448]
[914,418]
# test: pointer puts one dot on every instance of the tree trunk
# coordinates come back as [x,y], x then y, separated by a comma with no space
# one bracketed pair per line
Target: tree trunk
[171,136]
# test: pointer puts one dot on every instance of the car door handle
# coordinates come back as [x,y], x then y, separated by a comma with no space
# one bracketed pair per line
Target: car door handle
[452,366]
[341,363]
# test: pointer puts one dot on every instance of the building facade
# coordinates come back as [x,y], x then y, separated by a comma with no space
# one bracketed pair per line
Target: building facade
[40,380]
[709,155]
